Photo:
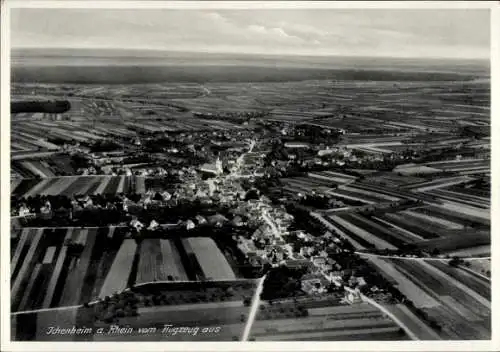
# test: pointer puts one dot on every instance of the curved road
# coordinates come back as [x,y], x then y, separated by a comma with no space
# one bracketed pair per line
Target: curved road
[390,315]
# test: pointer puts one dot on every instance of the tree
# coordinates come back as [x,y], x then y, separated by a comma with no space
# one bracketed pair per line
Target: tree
[454,262]
[158,197]
[435,252]
[252,194]
[108,318]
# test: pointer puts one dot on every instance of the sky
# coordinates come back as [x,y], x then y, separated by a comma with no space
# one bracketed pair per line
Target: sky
[399,33]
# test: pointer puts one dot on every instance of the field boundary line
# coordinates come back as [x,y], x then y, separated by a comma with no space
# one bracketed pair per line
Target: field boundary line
[390,315]
[417,259]
[472,272]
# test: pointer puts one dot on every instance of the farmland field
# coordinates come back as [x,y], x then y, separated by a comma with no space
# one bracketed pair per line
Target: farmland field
[211,260]
[385,238]
[338,322]
[393,230]
[82,185]
[479,268]
[159,260]
[391,180]
[463,245]
[305,185]
[330,176]
[459,165]
[417,295]
[383,166]
[479,202]
[77,270]
[55,165]
[434,220]
[46,271]
[184,303]
[460,305]
[479,285]
[451,215]
[415,226]
[119,273]
[474,250]
[348,231]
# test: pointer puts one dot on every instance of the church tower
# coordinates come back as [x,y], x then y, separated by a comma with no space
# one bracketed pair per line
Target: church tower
[218,166]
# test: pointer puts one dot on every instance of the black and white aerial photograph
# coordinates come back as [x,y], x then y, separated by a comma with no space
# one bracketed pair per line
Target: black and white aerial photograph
[249,174]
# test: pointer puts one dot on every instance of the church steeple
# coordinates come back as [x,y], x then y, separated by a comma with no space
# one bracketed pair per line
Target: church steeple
[218,166]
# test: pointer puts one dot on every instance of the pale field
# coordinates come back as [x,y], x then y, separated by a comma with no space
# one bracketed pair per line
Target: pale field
[465,209]
[171,261]
[414,293]
[210,258]
[379,243]
[369,193]
[474,251]
[432,219]
[480,265]
[118,274]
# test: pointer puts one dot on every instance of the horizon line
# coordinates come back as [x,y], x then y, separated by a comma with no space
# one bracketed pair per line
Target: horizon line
[319,55]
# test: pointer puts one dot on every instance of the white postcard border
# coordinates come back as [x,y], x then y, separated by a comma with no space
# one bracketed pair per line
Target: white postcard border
[7,345]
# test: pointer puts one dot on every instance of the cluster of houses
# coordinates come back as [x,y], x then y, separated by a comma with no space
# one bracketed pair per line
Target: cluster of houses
[271,243]
[220,190]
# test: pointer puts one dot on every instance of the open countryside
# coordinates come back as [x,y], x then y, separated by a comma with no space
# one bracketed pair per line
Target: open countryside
[164,195]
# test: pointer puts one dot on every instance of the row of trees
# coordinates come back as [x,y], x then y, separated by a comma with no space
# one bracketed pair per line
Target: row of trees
[127,303]
[51,107]
[276,312]
[105,145]
[111,308]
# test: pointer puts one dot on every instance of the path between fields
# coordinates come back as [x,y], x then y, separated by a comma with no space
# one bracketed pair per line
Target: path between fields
[418,258]
[392,316]
[414,323]
[472,272]
[253,310]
